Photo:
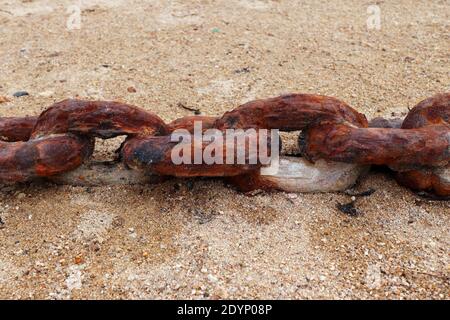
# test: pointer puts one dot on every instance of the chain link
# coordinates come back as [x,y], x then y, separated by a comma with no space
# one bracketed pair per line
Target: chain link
[337,144]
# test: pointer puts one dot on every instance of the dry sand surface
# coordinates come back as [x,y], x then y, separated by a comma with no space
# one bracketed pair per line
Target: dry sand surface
[200,239]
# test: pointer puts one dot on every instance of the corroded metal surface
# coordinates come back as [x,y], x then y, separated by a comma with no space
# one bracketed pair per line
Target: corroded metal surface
[337,144]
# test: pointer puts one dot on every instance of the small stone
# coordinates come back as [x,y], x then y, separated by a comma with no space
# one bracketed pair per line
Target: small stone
[292,196]
[4,99]
[78,259]
[309,278]
[21,195]
[145,254]
[133,235]
[20,94]
[204,270]
[243,70]
[131,89]
[212,278]
[94,246]
[118,222]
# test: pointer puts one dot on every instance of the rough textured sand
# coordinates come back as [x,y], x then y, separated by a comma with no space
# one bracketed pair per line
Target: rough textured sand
[198,238]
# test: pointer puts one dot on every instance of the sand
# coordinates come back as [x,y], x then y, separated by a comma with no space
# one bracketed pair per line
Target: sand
[198,238]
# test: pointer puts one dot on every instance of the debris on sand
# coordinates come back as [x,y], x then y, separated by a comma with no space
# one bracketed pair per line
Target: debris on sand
[196,111]
[4,99]
[349,208]
[354,193]
[20,94]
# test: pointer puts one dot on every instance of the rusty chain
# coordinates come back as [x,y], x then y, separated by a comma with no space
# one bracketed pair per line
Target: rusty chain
[337,144]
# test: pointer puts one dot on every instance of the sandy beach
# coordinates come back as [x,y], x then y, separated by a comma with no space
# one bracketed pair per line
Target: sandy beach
[200,238]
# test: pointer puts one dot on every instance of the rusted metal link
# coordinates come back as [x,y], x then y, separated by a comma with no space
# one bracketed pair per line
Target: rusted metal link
[103,119]
[291,113]
[430,113]
[341,135]
[61,138]
[154,154]
[337,143]
[43,157]
[16,128]
[296,112]
[187,123]
[335,132]
[400,149]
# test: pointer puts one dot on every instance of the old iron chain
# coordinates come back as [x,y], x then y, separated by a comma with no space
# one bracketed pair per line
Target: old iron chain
[337,144]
